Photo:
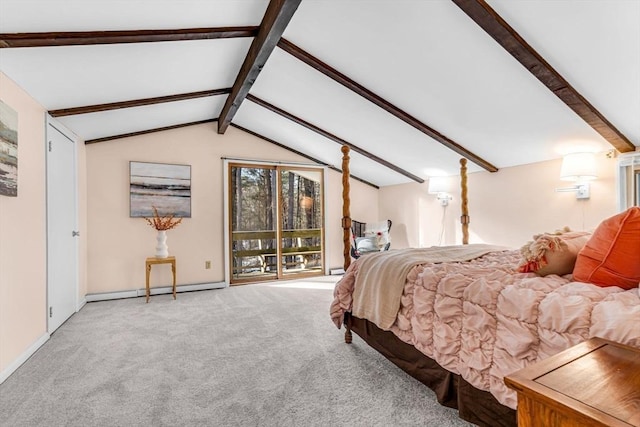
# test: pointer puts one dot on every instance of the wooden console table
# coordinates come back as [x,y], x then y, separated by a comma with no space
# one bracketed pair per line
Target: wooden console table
[168,260]
[595,383]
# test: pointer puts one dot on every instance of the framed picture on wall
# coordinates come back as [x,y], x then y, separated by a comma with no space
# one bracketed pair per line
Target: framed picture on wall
[167,187]
[8,151]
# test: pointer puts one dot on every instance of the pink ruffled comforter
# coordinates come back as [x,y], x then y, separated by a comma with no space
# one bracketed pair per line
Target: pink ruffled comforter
[481,320]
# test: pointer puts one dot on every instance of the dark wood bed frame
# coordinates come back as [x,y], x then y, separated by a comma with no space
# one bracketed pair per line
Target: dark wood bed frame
[473,405]
[476,406]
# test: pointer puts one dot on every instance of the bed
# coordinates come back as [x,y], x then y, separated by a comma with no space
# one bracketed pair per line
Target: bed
[461,318]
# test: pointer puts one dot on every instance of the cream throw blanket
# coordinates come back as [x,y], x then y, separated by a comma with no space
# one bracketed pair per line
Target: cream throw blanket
[382,275]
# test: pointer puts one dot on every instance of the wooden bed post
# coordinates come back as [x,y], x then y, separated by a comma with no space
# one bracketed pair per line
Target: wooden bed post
[348,337]
[464,202]
[346,205]
[346,226]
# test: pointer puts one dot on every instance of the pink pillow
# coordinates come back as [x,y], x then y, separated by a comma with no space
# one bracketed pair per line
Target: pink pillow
[552,253]
[612,256]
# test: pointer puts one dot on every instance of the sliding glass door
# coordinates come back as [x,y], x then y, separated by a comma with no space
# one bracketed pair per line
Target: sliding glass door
[276,220]
[301,221]
[253,199]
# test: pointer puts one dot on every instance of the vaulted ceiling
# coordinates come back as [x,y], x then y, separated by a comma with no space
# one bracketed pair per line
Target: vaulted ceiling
[410,86]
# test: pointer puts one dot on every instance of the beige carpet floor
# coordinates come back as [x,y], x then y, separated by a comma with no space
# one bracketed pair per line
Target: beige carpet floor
[255,355]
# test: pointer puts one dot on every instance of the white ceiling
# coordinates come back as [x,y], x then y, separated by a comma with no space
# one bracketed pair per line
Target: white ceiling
[426,57]
[73,76]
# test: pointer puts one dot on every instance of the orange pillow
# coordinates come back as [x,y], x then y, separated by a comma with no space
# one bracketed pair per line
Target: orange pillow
[612,256]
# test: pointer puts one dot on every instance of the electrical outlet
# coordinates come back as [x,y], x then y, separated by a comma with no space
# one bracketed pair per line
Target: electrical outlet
[207,264]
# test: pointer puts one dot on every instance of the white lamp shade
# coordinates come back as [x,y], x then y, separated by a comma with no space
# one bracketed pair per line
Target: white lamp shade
[438,184]
[578,167]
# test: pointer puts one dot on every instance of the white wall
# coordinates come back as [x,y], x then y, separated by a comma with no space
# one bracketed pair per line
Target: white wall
[506,208]
[118,244]
[23,238]
[23,235]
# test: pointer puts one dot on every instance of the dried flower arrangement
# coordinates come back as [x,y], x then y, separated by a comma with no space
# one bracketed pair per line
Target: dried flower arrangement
[163,223]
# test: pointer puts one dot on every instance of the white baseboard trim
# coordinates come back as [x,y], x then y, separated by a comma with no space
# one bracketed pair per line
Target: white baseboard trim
[111,295]
[134,293]
[23,357]
[81,304]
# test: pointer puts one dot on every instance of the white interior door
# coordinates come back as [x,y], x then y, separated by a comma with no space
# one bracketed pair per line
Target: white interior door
[62,258]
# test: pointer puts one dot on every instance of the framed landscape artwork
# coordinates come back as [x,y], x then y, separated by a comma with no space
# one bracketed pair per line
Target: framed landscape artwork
[8,151]
[164,186]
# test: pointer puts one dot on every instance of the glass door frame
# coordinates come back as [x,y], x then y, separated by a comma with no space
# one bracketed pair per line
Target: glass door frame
[281,232]
[229,163]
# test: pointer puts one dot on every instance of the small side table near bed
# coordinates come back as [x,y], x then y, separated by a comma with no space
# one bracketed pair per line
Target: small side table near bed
[153,261]
[595,383]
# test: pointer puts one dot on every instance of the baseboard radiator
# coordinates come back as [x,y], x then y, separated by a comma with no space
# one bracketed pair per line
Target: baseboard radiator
[134,293]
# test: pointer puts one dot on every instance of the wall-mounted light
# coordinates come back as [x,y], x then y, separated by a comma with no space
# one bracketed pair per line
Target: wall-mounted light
[439,185]
[580,168]
[306,202]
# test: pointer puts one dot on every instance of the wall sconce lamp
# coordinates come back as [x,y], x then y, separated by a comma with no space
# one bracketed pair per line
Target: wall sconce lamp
[439,185]
[306,202]
[580,168]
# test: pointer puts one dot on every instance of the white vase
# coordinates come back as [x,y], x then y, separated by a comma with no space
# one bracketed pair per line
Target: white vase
[162,250]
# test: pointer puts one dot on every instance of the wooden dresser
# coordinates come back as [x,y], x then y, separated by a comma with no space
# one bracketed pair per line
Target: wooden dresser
[595,383]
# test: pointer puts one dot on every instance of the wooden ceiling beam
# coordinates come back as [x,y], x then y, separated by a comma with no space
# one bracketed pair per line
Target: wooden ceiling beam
[337,76]
[146,131]
[78,38]
[136,103]
[276,19]
[332,137]
[493,24]
[306,156]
